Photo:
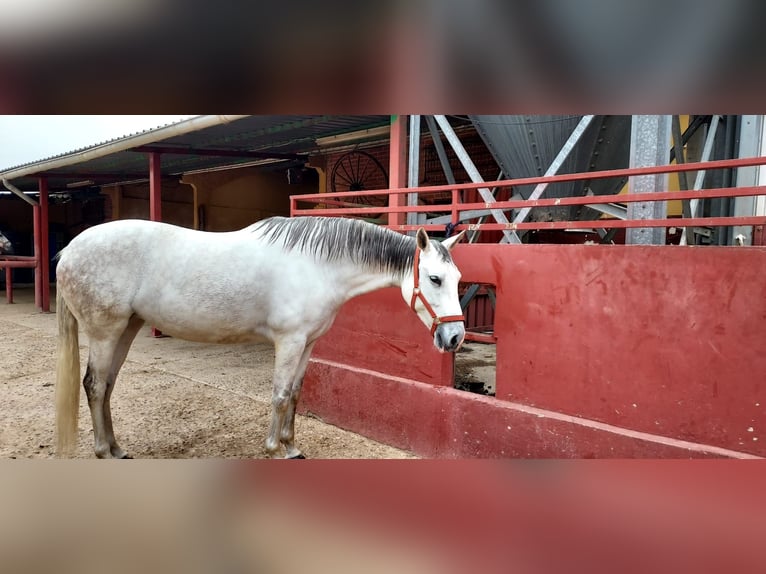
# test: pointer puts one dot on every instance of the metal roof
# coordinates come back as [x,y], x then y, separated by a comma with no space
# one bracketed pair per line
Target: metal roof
[284,139]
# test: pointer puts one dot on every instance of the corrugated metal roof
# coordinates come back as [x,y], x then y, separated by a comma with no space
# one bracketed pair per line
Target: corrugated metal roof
[269,134]
[94,145]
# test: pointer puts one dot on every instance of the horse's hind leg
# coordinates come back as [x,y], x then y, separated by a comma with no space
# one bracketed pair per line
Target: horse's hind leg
[104,361]
[96,380]
[120,353]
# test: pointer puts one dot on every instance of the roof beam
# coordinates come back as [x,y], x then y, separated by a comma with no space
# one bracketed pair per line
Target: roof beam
[95,176]
[217,152]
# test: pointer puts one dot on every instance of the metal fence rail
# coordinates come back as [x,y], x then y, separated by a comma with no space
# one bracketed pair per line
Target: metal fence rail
[349,204]
[10,262]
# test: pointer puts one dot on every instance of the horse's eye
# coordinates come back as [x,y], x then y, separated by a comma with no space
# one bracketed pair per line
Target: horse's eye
[435,280]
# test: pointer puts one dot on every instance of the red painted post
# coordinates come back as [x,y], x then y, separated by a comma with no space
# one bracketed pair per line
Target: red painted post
[155,200]
[9,284]
[38,262]
[155,187]
[759,237]
[44,257]
[397,167]
[455,203]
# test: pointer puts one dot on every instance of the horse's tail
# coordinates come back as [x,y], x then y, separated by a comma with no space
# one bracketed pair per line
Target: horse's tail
[67,379]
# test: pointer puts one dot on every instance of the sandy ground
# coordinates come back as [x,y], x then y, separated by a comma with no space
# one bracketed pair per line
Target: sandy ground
[173,398]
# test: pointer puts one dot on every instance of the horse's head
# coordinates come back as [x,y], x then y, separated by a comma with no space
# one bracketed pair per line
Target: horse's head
[432,291]
[5,245]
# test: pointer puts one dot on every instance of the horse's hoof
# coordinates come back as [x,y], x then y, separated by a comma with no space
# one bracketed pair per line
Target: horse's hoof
[126,456]
[297,456]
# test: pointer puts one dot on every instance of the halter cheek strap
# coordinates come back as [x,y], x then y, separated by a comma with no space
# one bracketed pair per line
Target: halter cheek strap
[418,294]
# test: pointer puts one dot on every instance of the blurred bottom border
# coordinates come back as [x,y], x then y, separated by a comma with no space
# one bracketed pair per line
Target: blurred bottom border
[383,516]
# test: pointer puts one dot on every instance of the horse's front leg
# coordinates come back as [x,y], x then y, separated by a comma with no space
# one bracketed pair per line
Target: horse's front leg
[287,434]
[288,357]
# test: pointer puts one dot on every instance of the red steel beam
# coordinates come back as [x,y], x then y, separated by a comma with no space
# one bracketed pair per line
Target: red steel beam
[347,204]
[10,262]
[155,187]
[547,202]
[45,281]
[8,285]
[397,166]
[37,249]
[600,224]
[25,258]
[480,337]
[515,204]
[155,200]
[623,198]
[28,262]
[555,201]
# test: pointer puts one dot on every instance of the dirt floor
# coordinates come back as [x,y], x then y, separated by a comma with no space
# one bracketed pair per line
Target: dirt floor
[173,398]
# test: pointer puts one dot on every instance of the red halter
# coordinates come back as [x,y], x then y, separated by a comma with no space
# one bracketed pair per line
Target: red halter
[418,294]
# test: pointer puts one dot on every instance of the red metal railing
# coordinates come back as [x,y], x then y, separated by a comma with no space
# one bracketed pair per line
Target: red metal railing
[347,203]
[10,262]
[350,204]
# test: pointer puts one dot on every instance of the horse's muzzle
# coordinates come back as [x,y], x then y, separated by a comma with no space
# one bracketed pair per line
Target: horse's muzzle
[449,336]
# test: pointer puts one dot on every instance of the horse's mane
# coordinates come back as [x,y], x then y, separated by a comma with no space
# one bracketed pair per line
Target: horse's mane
[343,239]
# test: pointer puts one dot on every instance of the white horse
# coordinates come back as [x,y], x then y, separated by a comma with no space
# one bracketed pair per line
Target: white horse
[281,280]
[6,248]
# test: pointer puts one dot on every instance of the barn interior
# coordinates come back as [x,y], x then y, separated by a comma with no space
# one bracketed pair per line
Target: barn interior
[218,173]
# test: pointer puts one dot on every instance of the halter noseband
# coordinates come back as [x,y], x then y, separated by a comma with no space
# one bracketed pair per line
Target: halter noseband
[418,294]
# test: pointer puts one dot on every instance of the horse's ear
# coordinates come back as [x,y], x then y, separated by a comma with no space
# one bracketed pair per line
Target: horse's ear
[450,242]
[422,239]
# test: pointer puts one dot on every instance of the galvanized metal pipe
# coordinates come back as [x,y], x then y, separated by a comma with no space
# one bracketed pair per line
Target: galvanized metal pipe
[649,146]
[13,189]
[413,167]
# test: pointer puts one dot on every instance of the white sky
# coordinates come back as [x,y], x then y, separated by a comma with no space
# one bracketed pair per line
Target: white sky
[31,138]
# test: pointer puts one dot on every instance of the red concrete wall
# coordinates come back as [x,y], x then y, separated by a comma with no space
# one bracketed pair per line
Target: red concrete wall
[659,340]
[379,332]
[602,351]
